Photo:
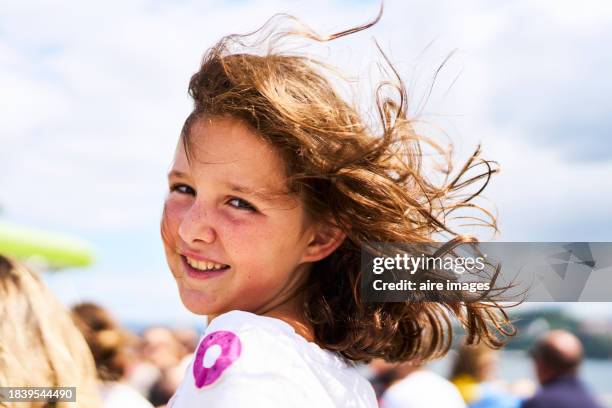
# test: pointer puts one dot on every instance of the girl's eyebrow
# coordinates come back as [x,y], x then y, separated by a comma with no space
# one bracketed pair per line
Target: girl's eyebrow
[177,173]
[262,194]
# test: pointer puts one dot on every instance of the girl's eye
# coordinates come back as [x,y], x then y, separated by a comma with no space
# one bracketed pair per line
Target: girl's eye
[182,189]
[241,204]
[234,202]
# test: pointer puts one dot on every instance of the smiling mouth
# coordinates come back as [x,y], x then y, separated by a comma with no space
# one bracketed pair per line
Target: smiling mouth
[204,266]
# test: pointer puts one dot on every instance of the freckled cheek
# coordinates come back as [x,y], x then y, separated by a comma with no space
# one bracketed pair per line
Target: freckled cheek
[174,213]
[245,240]
[274,239]
[172,217]
[263,264]
[232,228]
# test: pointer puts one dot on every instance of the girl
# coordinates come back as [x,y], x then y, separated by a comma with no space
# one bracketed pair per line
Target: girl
[276,184]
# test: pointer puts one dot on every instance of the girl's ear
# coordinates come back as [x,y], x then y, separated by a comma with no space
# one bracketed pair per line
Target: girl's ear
[327,238]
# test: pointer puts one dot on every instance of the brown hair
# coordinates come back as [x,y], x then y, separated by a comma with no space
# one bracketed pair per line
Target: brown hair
[40,345]
[105,338]
[370,183]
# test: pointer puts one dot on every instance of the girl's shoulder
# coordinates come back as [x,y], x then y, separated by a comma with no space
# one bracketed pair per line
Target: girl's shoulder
[247,359]
[256,330]
[247,323]
[269,344]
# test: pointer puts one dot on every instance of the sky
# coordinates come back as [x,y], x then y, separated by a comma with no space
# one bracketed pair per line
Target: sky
[93,96]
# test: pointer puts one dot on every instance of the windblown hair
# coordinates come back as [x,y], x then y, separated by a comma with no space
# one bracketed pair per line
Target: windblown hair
[39,344]
[366,178]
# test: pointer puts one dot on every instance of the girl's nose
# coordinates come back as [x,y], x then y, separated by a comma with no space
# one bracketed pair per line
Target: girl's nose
[195,226]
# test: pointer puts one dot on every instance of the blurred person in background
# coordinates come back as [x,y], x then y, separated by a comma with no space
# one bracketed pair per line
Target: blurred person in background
[166,385]
[161,347]
[108,343]
[40,346]
[556,358]
[173,353]
[188,338]
[162,350]
[474,374]
[142,373]
[413,386]
[156,351]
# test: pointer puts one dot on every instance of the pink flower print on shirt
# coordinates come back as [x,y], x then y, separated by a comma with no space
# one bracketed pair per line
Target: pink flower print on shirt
[225,346]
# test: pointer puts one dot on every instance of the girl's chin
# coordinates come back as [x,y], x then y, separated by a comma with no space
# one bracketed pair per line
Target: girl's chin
[196,302]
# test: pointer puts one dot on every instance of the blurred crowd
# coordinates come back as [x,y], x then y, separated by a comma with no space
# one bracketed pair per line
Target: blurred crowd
[473,379]
[44,344]
[136,370]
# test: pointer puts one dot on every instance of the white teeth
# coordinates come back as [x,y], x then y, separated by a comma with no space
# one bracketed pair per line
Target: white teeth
[203,266]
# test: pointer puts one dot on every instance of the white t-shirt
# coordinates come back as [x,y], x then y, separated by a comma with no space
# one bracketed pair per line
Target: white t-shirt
[246,360]
[422,389]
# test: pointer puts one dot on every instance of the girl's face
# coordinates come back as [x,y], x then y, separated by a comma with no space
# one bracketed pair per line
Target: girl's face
[234,239]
